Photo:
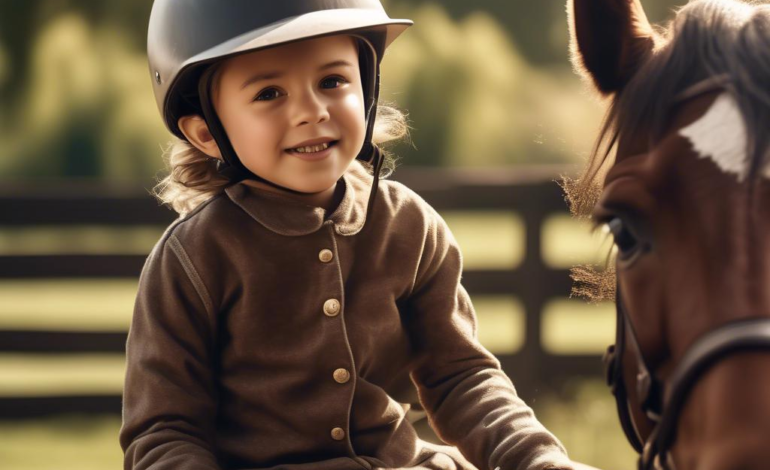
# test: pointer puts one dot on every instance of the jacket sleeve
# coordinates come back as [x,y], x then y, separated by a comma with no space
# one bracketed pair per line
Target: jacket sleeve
[169,397]
[470,401]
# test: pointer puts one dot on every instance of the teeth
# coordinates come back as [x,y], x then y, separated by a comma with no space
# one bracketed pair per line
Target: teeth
[312,148]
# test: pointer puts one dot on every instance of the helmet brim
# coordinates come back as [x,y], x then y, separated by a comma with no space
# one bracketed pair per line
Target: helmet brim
[308,26]
[373,24]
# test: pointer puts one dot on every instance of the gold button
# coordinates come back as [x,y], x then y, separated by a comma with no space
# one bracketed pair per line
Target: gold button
[326,256]
[332,307]
[341,376]
[338,434]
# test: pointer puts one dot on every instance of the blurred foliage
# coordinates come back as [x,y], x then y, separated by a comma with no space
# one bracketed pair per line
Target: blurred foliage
[486,83]
[539,29]
[477,101]
[83,105]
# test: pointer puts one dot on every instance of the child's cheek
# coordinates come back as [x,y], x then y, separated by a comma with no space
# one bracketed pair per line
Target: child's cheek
[355,117]
[354,104]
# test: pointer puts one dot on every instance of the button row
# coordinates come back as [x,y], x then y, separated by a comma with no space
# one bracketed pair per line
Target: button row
[332,309]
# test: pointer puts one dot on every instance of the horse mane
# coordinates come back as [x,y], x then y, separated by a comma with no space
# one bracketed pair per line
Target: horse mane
[706,38]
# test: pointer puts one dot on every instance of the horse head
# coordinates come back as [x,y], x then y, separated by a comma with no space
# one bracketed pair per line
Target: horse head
[682,162]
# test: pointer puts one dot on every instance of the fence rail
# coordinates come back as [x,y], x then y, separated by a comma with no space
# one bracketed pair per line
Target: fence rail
[532,194]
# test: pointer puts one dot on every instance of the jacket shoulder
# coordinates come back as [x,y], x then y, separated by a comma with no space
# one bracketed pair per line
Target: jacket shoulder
[180,228]
[400,197]
[404,204]
[206,220]
[196,237]
[195,242]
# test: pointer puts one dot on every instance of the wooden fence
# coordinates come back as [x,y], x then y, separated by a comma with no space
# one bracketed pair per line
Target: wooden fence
[531,193]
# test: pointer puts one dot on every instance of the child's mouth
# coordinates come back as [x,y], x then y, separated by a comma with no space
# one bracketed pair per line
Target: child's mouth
[310,150]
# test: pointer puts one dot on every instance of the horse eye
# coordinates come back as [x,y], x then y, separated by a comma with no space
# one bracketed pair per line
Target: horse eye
[624,239]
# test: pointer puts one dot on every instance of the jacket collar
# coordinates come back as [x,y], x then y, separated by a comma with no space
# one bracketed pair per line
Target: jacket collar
[289,217]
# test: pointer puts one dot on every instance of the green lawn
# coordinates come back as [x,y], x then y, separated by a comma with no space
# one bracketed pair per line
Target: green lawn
[63,443]
[583,418]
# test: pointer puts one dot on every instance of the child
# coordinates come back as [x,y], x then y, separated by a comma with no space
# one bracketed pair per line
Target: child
[281,321]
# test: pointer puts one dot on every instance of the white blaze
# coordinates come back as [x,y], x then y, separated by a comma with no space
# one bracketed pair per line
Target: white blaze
[720,135]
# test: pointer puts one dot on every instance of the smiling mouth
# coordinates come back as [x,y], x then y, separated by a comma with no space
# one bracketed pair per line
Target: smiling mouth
[310,149]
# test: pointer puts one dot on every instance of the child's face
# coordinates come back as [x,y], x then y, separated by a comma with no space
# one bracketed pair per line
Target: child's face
[283,107]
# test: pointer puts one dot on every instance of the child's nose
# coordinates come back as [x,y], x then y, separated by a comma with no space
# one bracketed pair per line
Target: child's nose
[310,109]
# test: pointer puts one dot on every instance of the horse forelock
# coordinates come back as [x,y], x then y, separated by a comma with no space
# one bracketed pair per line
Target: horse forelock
[707,38]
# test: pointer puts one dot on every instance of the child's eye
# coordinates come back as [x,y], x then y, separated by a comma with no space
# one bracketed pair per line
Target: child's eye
[268,95]
[333,82]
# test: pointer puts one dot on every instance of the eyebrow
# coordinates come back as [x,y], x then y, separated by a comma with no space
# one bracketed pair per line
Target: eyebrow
[336,63]
[261,77]
[277,74]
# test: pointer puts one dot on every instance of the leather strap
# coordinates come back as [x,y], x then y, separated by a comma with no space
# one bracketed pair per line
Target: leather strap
[734,337]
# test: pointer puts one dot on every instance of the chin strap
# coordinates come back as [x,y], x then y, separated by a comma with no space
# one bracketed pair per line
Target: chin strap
[378,158]
[371,153]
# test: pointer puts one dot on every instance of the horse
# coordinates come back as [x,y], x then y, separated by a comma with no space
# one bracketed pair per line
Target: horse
[680,178]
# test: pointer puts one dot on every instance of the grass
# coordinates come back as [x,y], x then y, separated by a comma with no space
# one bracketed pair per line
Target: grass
[582,417]
[61,375]
[61,443]
[67,304]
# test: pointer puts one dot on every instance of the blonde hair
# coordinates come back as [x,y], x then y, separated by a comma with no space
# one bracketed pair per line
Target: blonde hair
[193,177]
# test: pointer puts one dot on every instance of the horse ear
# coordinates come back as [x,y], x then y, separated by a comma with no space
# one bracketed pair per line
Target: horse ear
[611,39]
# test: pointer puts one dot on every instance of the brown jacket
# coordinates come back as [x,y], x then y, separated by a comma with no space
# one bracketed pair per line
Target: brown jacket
[266,335]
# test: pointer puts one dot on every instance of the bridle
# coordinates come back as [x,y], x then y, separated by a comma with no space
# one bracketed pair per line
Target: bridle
[663,402]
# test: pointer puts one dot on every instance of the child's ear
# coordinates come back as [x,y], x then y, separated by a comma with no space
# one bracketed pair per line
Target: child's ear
[610,40]
[197,132]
